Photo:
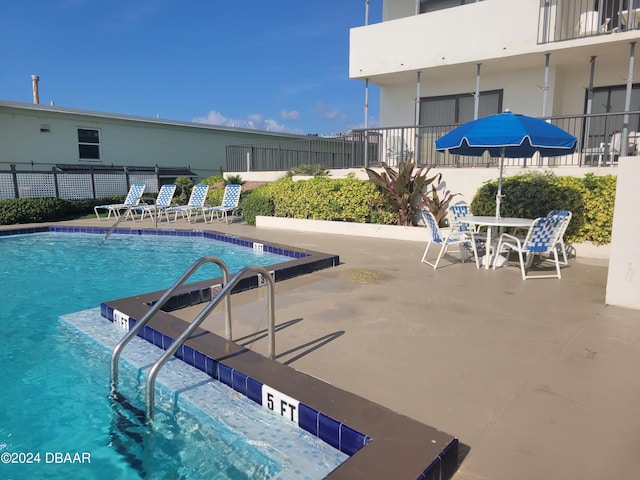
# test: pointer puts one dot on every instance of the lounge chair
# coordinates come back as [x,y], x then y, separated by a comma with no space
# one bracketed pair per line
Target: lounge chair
[230,201]
[162,202]
[196,204]
[132,199]
[453,237]
[541,239]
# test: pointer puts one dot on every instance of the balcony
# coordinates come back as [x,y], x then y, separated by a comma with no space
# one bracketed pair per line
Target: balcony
[571,20]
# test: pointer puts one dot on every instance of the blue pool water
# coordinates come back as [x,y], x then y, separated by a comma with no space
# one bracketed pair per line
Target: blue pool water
[56,411]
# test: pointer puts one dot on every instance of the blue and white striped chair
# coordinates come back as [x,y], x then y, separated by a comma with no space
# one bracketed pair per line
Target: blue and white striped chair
[453,237]
[566,216]
[230,202]
[132,199]
[163,201]
[542,238]
[196,204]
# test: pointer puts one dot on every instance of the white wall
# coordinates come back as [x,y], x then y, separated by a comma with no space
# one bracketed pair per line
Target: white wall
[623,282]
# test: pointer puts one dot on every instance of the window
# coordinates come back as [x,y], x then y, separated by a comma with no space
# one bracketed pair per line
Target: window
[601,131]
[454,109]
[88,144]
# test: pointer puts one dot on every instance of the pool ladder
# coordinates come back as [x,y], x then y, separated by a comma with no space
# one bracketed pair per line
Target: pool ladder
[224,294]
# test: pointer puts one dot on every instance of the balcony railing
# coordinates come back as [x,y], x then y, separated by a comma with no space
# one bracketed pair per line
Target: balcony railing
[569,20]
[600,143]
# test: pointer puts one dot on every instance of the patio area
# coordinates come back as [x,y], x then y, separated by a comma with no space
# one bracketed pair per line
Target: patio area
[535,378]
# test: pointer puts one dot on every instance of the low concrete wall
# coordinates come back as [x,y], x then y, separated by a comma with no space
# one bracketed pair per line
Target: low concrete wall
[392,232]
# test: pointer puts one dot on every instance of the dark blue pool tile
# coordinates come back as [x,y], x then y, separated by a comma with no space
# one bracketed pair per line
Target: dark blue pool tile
[166,341]
[189,355]
[225,374]
[211,367]
[239,382]
[157,338]
[433,471]
[351,440]
[329,430]
[308,419]
[200,361]
[254,390]
[147,333]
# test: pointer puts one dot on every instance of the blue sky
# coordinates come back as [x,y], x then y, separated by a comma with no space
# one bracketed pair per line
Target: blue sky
[278,65]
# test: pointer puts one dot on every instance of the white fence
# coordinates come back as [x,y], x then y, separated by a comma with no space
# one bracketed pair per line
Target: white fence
[72,186]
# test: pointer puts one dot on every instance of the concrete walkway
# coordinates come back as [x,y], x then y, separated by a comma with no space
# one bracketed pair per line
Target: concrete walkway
[536,379]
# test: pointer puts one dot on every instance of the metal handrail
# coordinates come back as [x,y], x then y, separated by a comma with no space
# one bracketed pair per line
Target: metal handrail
[115,355]
[120,218]
[224,293]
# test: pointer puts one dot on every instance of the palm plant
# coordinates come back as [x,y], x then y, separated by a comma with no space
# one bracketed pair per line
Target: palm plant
[403,188]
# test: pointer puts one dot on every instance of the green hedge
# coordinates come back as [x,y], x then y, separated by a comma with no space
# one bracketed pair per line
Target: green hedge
[324,198]
[590,200]
[34,210]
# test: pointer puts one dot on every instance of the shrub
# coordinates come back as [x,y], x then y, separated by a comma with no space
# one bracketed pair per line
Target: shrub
[256,202]
[590,200]
[34,210]
[315,170]
[323,198]
[403,189]
[184,184]
[234,180]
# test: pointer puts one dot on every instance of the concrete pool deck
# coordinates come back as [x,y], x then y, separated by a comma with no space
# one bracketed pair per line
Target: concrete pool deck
[536,379]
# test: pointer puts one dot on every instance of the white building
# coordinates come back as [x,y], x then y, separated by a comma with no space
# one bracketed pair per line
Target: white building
[39,137]
[463,59]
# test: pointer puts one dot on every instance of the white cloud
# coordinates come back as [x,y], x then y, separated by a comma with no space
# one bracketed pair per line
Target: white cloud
[324,111]
[254,121]
[289,115]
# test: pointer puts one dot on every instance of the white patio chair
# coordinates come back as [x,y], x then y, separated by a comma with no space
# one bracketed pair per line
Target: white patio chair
[566,217]
[453,237]
[541,239]
[133,198]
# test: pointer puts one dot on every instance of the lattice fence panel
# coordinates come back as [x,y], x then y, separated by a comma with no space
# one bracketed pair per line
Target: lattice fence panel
[74,186]
[151,181]
[36,185]
[6,186]
[108,185]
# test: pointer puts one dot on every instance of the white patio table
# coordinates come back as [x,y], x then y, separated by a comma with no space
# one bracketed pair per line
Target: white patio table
[493,223]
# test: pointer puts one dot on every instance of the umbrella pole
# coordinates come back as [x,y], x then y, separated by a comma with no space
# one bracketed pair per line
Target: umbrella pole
[499,194]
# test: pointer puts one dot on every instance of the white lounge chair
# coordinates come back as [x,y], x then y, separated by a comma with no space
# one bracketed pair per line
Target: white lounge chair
[162,202]
[196,204]
[132,199]
[230,202]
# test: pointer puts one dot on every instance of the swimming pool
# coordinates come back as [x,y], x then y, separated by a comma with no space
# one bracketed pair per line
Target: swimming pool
[46,369]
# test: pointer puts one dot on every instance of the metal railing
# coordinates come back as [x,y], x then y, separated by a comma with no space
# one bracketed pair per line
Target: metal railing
[333,152]
[560,21]
[223,294]
[600,143]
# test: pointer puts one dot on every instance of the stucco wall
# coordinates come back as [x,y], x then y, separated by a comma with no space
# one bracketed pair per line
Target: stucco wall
[623,282]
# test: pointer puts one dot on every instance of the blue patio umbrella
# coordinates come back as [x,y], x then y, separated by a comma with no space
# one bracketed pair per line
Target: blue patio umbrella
[507,135]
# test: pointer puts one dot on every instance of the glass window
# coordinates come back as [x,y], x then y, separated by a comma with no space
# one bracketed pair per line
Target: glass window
[453,109]
[88,144]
